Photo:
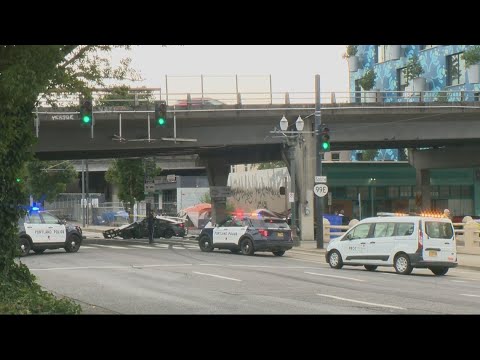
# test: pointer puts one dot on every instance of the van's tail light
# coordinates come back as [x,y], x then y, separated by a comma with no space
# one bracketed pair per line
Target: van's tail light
[264,233]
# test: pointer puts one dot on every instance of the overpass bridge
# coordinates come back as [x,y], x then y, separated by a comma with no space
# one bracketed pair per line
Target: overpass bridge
[229,134]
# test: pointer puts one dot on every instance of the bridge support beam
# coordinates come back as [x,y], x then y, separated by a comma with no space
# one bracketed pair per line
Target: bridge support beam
[217,173]
[422,190]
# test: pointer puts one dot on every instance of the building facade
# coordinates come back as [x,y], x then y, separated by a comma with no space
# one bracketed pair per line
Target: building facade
[442,69]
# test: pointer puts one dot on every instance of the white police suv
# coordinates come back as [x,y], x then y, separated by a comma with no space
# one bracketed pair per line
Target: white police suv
[40,230]
[248,234]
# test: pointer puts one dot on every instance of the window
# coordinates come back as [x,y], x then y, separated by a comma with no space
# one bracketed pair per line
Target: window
[402,79]
[444,191]
[426,47]
[405,191]
[352,192]
[455,70]
[404,229]
[360,232]
[335,156]
[322,156]
[381,53]
[49,219]
[34,218]
[439,230]
[393,192]
[383,229]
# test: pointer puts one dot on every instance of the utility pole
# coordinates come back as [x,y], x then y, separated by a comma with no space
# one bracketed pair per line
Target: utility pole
[88,196]
[83,193]
[318,156]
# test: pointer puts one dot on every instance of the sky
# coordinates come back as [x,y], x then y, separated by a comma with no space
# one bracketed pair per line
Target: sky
[292,67]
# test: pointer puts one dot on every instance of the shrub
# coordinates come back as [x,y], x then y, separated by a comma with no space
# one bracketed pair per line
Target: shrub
[351,51]
[367,81]
[471,55]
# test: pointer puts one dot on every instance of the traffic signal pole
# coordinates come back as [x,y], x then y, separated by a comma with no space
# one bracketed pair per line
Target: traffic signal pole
[318,156]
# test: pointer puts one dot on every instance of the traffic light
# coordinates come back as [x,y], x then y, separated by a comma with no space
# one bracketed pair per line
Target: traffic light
[325,138]
[161,114]
[86,112]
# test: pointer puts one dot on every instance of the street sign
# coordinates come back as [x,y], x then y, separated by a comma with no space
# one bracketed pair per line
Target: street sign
[320,190]
[291,197]
[320,179]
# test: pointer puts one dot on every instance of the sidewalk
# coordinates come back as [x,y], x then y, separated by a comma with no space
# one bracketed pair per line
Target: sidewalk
[467,261]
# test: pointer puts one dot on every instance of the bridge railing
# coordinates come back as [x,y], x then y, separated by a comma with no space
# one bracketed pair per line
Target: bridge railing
[137,98]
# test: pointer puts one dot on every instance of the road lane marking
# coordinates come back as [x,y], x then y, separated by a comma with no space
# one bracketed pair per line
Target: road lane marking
[178,247]
[334,276]
[87,247]
[162,245]
[217,276]
[472,295]
[113,247]
[145,247]
[362,302]
[191,246]
[106,267]
[458,281]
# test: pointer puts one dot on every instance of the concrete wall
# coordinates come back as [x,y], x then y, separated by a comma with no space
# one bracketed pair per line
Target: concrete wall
[259,189]
[190,196]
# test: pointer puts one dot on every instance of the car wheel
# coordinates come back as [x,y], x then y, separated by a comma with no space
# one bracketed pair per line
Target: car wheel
[168,233]
[73,244]
[246,247]
[278,253]
[24,246]
[205,243]
[371,267]
[235,251]
[439,270]
[38,251]
[402,264]
[335,260]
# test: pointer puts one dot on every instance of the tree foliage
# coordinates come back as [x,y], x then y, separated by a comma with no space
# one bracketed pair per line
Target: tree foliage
[369,155]
[413,69]
[129,175]
[28,74]
[272,165]
[44,180]
[124,96]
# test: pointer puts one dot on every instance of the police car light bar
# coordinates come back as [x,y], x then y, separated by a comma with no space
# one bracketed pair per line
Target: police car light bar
[431,213]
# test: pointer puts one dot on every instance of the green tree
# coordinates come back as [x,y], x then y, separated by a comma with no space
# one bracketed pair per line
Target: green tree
[271,165]
[28,74]
[123,96]
[413,69]
[44,180]
[129,175]
[369,155]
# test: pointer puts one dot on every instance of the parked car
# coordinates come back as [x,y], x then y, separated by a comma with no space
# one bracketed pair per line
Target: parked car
[248,234]
[196,102]
[40,230]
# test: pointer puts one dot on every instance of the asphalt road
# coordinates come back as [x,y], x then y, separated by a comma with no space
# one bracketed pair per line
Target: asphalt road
[132,277]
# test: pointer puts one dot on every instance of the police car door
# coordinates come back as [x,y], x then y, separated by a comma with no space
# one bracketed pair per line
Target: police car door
[35,228]
[55,230]
[229,232]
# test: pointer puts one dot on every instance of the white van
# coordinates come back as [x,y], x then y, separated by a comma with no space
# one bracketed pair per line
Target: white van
[404,242]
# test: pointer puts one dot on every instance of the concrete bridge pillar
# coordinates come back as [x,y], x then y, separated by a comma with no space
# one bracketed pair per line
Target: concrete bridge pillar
[422,190]
[217,173]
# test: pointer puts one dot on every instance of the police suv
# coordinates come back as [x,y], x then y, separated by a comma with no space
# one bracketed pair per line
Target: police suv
[40,230]
[248,234]
[404,242]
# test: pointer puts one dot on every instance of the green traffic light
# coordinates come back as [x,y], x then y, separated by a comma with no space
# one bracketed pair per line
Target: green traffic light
[86,119]
[161,121]
[325,145]
[18,180]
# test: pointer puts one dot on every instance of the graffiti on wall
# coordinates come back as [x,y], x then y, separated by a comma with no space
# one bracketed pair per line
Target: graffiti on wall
[259,189]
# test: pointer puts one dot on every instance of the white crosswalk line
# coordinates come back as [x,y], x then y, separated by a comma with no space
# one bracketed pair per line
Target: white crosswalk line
[191,246]
[178,247]
[113,247]
[87,247]
[161,245]
[147,247]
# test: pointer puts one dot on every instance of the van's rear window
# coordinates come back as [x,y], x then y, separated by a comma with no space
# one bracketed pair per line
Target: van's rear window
[439,230]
